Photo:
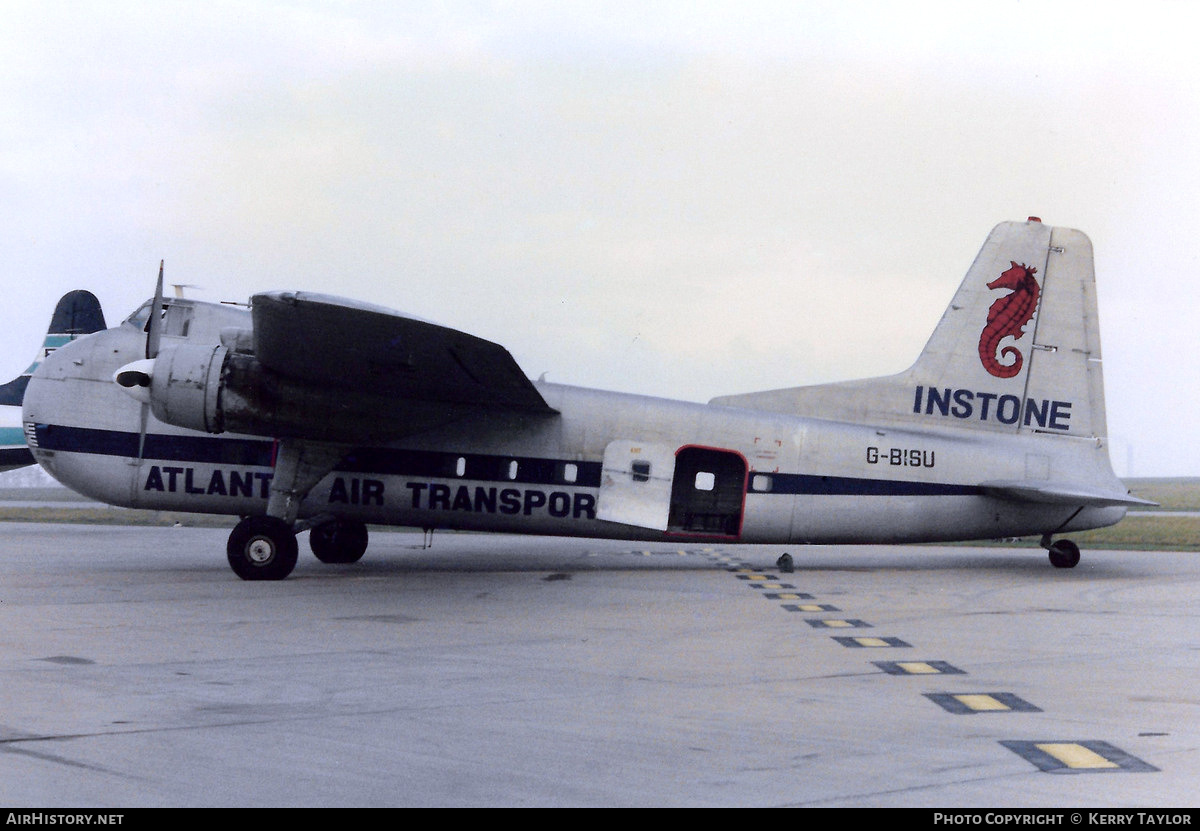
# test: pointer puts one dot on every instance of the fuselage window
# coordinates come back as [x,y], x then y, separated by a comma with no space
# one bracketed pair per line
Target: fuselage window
[460,466]
[705,481]
[760,483]
[640,471]
[512,469]
[570,472]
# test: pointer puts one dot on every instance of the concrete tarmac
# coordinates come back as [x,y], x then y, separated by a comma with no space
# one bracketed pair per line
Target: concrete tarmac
[137,670]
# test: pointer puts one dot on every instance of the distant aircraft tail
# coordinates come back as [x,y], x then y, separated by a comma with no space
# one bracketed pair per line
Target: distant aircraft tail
[1018,349]
[77,313]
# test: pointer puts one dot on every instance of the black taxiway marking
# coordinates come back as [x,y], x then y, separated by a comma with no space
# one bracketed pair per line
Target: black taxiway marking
[872,643]
[918,668]
[834,623]
[1078,757]
[991,702]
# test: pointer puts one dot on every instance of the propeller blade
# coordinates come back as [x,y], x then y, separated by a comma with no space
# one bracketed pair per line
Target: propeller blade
[154,332]
[143,418]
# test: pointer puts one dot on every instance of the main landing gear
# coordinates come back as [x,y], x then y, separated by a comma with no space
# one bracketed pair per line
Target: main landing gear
[1063,553]
[262,548]
[338,541]
[265,547]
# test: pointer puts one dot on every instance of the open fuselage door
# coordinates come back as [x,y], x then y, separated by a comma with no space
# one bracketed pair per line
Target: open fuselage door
[635,486]
[689,490]
[708,494]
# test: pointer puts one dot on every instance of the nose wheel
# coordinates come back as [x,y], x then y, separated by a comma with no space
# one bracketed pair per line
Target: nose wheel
[262,548]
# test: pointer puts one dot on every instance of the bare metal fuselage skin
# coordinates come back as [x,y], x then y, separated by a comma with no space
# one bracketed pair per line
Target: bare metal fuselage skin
[734,474]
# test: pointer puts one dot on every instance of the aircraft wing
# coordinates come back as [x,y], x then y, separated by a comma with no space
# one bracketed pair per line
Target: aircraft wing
[1061,494]
[360,348]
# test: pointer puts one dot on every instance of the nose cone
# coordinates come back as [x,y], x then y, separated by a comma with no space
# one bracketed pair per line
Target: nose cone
[135,379]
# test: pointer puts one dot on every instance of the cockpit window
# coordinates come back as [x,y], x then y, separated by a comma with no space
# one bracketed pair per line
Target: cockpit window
[141,317]
[176,318]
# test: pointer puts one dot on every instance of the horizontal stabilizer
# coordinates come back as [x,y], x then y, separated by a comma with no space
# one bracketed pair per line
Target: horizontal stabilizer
[1062,494]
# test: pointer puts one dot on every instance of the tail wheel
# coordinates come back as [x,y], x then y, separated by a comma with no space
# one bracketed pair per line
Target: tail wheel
[338,541]
[1064,554]
[262,548]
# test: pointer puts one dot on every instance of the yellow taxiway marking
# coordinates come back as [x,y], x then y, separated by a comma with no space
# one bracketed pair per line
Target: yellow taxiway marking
[980,701]
[918,668]
[1075,755]
[871,642]
[835,624]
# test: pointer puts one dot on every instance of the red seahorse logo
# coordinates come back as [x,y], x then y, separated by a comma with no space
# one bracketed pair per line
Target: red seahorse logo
[1007,317]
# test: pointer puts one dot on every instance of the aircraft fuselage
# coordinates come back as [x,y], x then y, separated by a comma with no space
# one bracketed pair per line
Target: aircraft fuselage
[708,472]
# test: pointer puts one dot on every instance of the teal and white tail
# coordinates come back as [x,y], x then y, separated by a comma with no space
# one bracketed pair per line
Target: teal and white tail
[77,313]
[1018,349]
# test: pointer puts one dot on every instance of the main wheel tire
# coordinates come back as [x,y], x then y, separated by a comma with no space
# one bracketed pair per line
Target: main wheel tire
[1064,554]
[338,541]
[262,548]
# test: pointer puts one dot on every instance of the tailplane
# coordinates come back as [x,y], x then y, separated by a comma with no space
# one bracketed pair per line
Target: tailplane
[1018,349]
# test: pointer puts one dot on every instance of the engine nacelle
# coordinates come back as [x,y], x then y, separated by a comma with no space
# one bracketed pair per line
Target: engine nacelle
[214,389]
[185,386]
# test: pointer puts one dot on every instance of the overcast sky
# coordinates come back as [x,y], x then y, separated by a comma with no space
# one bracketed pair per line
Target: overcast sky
[679,199]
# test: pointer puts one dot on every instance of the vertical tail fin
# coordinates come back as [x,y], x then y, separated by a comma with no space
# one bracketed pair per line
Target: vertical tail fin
[1017,349]
[77,313]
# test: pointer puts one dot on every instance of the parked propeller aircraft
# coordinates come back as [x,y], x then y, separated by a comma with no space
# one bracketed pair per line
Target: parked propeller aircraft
[313,412]
[77,313]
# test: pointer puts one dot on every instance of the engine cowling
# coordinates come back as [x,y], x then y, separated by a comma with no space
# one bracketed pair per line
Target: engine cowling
[185,387]
[214,389]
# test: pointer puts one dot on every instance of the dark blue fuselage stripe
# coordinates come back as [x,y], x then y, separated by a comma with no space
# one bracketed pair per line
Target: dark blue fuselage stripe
[442,465]
[367,460]
[172,448]
[805,483]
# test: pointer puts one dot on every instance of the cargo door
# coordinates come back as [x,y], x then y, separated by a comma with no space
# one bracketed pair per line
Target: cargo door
[635,485]
[709,492]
